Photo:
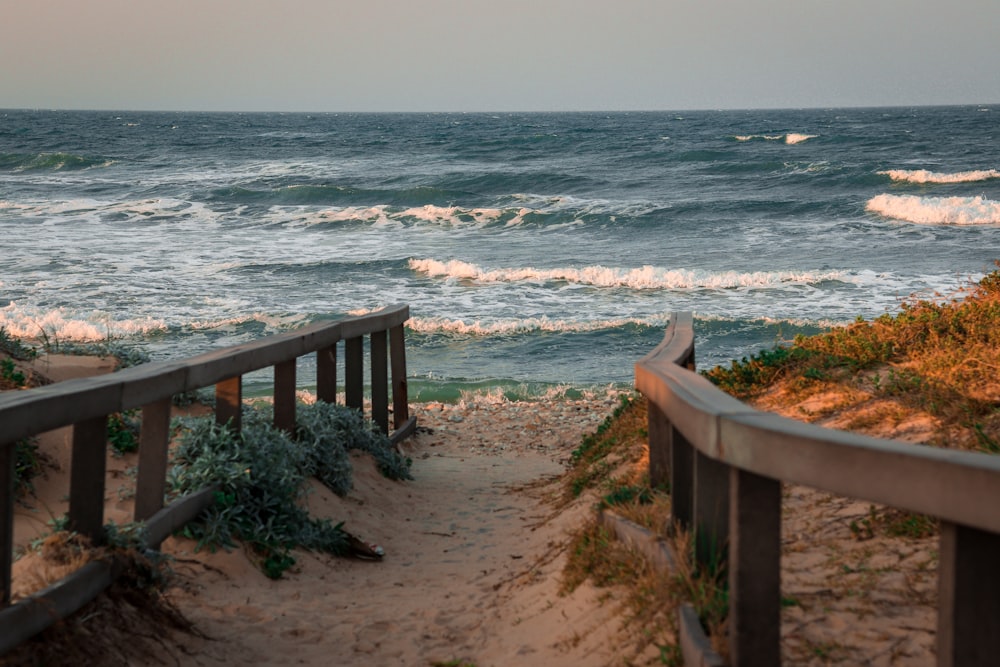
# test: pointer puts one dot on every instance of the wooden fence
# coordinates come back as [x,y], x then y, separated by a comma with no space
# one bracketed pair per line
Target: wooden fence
[725,463]
[86,404]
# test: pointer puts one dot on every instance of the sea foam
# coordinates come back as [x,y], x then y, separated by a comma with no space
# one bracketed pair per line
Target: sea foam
[641,278]
[790,138]
[936,210]
[59,325]
[510,327]
[925,176]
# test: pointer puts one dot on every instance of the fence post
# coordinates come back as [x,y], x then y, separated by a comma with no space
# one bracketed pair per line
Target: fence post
[7,501]
[229,403]
[380,381]
[711,510]
[284,396]
[326,374]
[754,570]
[154,439]
[969,596]
[397,360]
[86,482]
[681,479]
[659,446]
[354,378]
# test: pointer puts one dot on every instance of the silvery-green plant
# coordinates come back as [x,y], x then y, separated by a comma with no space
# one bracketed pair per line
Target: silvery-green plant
[260,474]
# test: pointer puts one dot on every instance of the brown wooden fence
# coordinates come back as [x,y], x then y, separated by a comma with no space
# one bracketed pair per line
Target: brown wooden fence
[85,404]
[725,463]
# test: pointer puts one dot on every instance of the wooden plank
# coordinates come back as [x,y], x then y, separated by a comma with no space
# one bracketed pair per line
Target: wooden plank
[284,396]
[326,374]
[32,411]
[681,480]
[354,379]
[86,486]
[400,392]
[229,403]
[754,570]
[958,486]
[659,447]
[380,380]
[969,597]
[711,511]
[154,439]
[7,500]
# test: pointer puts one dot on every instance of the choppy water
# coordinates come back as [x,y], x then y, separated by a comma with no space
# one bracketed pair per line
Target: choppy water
[543,249]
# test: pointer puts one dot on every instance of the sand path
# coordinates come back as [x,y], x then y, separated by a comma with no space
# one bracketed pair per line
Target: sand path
[471,571]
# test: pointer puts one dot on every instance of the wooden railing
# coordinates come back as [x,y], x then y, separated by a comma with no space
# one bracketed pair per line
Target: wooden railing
[725,463]
[86,403]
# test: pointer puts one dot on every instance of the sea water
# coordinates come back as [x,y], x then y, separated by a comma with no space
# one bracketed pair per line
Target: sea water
[534,250]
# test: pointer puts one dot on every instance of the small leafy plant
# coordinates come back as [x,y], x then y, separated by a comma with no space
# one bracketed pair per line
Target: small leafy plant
[260,476]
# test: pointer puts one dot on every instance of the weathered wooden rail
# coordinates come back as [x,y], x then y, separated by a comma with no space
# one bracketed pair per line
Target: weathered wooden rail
[725,463]
[85,404]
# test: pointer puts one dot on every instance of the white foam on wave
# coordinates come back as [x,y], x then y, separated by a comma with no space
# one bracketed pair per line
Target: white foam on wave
[641,278]
[925,176]
[509,327]
[936,210]
[60,325]
[790,138]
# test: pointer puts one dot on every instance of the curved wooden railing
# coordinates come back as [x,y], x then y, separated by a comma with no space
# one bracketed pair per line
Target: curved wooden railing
[86,403]
[725,463]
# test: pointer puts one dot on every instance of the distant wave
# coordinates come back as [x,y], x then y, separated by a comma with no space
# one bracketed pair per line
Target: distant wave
[50,162]
[643,278]
[510,327]
[790,138]
[924,176]
[936,210]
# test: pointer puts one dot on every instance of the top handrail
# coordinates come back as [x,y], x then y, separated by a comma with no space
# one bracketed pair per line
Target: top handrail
[959,486]
[26,413]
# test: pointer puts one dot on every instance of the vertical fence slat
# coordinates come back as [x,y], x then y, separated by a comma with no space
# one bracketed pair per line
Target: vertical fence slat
[284,396]
[380,381]
[969,596]
[354,378]
[229,403]
[326,374]
[397,359]
[154,438]
[754,570]
[659,446]
[6,520]
[681,480]
[86,484]
[711,510]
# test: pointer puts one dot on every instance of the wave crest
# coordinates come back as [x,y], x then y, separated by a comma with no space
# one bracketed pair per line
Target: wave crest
[642,278]
[60,326]
[790,138]
[936,210]
[51,162]
[511,327]
[925,176]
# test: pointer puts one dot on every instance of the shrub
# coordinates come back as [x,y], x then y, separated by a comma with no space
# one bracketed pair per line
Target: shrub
[260,477]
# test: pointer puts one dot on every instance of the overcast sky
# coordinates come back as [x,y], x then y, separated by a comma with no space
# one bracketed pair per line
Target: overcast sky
[496,55]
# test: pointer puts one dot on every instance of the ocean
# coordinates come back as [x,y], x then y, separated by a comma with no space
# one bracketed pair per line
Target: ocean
[539,253]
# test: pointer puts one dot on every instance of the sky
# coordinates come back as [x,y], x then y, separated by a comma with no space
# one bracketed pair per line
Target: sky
[496,55]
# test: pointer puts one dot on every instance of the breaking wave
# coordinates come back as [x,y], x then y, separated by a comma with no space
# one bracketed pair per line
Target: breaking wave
[642,278]
[936,210]
[790,138]
[925,176]
[510,327]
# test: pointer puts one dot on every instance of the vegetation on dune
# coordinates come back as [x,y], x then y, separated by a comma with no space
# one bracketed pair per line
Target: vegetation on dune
[260,475]
[940,356]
